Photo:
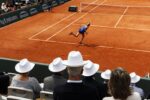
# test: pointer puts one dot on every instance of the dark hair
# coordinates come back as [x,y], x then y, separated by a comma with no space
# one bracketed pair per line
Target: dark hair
[119,84]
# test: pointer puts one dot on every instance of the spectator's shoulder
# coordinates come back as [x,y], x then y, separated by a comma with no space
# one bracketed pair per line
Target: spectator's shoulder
[47,78]
[33,79]
[135,96]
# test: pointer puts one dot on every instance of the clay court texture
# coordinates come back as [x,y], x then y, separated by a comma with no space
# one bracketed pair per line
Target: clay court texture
[119,34]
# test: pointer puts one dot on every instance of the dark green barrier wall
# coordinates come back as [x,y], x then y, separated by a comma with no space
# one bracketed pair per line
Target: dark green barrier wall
[2,1]
[40,70]
[17,15]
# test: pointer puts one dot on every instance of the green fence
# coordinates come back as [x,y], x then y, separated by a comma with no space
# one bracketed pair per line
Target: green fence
[20,14]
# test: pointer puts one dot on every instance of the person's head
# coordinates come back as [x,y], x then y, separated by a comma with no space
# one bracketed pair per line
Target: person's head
[119,84]
[90,69]
[24,67]
[134,78]
[74,63]
[74,71]
[106,74]
[57,67]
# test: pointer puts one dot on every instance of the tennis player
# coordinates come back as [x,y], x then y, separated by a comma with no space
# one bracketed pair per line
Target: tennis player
[81,32]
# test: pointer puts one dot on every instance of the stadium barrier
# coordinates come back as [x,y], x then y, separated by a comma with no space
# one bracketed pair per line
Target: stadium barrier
[1,1]
[40,71]
[20,14]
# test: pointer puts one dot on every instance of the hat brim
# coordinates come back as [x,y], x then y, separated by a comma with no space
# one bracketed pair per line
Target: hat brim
[54,69]
[19,70]
[91,72]
[135,80]
[65,62]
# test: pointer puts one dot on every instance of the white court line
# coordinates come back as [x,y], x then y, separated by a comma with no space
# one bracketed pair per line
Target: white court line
[99,13]
[121,17]
[53,41]
[136,29]
[52,25]
[72,22]
[113,5]
[55,24]
[99,46]
[91,3]
[125,49]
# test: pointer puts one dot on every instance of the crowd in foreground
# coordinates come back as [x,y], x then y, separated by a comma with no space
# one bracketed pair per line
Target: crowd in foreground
[81,84]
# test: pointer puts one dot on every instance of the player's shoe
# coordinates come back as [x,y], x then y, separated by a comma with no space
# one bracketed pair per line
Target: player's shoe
[80,42]
[70,33]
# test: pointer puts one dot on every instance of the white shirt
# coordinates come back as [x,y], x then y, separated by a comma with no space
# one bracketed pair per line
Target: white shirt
[133,96]
[74,81]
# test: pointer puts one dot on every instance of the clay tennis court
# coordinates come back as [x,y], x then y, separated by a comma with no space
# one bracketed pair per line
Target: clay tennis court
[119,34]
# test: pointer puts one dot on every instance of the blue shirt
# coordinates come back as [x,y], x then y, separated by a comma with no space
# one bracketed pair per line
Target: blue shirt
[83,29]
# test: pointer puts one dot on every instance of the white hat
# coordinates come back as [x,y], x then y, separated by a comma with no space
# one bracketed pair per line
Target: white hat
[24,66]
[74,59]
[106,74]
[90,68]
[56,65]
[134,78]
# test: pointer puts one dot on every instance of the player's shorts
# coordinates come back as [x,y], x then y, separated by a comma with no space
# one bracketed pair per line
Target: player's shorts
[81,32]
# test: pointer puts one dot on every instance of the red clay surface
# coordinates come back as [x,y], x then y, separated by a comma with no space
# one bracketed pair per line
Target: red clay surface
[119,35]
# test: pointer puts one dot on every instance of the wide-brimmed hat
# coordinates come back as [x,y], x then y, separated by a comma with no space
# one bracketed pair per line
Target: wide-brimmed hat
[134,78]
[24,66]
[74,59]
[106,74]
[90,68]
[57,65]
[3,3]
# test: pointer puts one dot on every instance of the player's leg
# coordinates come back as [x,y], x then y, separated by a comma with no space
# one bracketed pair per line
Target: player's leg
[76,35]
[82,38]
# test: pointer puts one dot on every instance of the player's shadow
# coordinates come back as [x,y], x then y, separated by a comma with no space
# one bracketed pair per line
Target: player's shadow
[87,45]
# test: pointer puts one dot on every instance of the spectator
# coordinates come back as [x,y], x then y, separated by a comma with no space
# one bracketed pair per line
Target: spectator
[4,7]
[56,79]
[27,1]
[119,85]
[74,89]
[23,79]
[4,83]
[148,97]
[106,76]
[134,79]
[89,70]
